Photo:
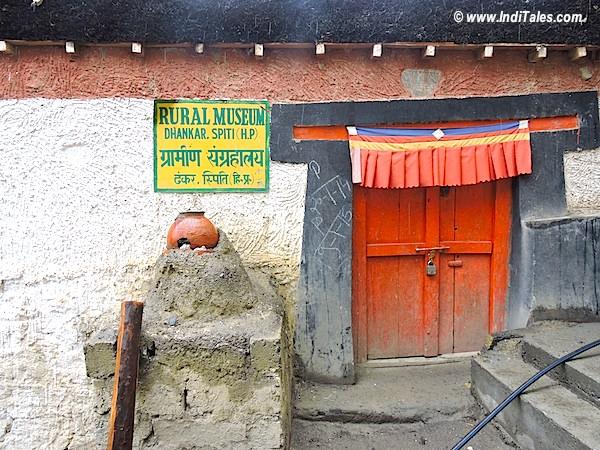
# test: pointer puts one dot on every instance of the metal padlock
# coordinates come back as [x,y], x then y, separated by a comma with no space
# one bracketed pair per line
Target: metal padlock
[431,268]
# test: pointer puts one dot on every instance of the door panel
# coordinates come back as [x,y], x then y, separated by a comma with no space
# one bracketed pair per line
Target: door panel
[447,202]
[394,272]
[400,311]
[446,293]
[471,302]
[395,314]
[466,227]
[474,212]
[384,314]
[395,215]
[383,214]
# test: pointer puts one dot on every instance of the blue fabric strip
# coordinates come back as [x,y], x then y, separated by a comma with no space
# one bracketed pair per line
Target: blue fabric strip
[429,131]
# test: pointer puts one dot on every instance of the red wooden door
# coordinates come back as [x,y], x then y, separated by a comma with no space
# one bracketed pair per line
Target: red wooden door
[398,309]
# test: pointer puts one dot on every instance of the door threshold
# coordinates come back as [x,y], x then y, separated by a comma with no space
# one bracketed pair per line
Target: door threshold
[417,360]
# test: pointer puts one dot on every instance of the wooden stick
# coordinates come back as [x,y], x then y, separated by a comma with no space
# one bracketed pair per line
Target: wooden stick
[7,48]
[485,52]
[136,47]
[377,50]
[539,53]
[429,51]
[577,53]
[120,427]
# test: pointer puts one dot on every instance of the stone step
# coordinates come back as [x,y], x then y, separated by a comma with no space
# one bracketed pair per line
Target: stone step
[311,435]
[401,395]
[582,375]
[547,416]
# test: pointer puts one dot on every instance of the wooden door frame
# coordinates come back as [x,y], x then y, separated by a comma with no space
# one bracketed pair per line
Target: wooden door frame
[359,274]
[499,270]
[500,255]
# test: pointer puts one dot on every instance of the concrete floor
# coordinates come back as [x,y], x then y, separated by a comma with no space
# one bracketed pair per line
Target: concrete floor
[408,407]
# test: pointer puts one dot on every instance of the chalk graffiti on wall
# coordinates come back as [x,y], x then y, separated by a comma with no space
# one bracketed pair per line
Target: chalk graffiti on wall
[330,214]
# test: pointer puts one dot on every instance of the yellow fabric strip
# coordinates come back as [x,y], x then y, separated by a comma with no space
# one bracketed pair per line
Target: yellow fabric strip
[405,146]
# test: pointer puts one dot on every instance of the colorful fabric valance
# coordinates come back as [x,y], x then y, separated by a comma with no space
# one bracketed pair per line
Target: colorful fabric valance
[414,157]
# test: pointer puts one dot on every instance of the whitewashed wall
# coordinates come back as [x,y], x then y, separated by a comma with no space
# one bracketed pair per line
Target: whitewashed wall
[80,229]
[582,180]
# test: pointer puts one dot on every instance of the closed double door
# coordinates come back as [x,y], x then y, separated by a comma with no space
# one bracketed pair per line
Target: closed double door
[430,268]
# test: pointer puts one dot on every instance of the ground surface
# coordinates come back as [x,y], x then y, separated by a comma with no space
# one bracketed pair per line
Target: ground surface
[407,407]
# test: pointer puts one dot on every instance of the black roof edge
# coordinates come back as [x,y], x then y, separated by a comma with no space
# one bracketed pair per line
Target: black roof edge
[299,21]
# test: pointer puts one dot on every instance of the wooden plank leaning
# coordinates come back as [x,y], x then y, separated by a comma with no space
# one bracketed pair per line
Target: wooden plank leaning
[120,428]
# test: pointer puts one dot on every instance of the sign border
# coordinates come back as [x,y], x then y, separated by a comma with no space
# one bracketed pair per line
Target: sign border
[228,189]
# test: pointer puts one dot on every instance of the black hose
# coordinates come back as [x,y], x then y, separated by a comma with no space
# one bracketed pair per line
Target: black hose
[498,409]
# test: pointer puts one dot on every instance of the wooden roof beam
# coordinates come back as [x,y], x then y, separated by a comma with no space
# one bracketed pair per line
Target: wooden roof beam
[577,53]
[429,51]
[137,49]
[485,52]
[377,50]
[6,48]
[537,54]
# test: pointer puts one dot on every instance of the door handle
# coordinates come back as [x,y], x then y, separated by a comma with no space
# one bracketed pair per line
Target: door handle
[455,263]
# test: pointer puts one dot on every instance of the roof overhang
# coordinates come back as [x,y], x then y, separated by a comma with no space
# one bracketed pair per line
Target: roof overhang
[297,22]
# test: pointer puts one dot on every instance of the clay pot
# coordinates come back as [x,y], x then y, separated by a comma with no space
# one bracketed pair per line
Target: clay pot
[194,229]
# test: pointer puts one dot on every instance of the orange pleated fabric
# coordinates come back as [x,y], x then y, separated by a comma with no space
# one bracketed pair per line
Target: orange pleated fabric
[440,164]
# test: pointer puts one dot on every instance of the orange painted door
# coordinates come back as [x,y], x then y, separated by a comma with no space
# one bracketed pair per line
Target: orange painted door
[401,310]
